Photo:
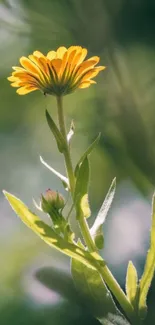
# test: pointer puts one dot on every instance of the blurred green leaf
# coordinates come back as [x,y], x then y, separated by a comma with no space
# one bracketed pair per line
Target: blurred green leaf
[87,152]
[95,295]
[57,134]
[96,230]
[131,283]
[149,268]
[81,190]
[59,281]
[46,233]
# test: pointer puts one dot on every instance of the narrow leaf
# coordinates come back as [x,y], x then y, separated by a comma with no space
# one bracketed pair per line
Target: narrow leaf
[87,152]
[95,294]
[149,268]
[37,206]
[71,132]
[46,233]
[96,230]
[63,178]
[132,283]
[81,191]
[58,136]
[98,238]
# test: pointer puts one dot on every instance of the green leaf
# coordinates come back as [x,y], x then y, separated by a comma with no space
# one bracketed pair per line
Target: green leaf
[149,269]
[59,281]
[96,230]
[58,136]
[95,294]
[98,237]
[132,284]
[71,132]
[47,234]
[87,152]
[81,191]
[64,179]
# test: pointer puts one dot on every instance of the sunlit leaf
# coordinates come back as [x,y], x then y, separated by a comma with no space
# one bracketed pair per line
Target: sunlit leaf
[71,132]
[57,134]
[63,178]
[131,283]
[95,295]
[98,237]
[149,268]
[46,233]
[87,152]
[81,190]
[96,230]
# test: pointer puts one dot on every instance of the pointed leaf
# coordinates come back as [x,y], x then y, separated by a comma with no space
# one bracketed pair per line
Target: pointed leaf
[132,283]
[95,294]
[37,206]
[81,191]
[71,132]
[46,233]
[149,268]
[87,152]
[63,178]
[98,238]
[96,230]
[58,136]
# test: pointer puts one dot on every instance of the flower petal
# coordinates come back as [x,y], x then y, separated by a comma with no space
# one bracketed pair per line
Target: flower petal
[41,63]
[94,58]
[16,84]
[51,55]
[25,90]
[29,65]
[92,73]
[24,76]
[18,69]
[86,65]
[80,56]
[60,52]
[38,54]
[56,64]
[12,78]
[84,84]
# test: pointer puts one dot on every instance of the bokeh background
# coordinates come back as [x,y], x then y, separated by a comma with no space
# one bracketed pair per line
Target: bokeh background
[121,106]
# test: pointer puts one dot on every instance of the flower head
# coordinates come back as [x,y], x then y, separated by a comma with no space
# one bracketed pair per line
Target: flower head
[57,73]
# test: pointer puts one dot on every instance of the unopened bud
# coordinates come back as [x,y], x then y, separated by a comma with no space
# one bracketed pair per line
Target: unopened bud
[52,200]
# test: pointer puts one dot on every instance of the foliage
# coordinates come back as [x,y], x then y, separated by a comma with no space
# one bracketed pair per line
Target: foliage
[121,107]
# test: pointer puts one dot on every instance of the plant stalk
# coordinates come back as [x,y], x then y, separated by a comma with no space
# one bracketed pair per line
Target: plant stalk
[66,152]
[103,270]
[119,294]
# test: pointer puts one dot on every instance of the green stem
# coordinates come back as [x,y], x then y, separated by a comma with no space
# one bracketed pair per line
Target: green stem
[86,234]
[103,270]
[66,152]
[118,293]
[82,222]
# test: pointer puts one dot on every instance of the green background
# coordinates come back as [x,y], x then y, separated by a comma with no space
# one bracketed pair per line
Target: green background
[121,105]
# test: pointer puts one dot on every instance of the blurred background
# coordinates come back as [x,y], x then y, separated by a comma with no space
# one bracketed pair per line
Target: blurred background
[121,106]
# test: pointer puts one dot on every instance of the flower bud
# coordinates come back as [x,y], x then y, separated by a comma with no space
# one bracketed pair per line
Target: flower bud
[52,200]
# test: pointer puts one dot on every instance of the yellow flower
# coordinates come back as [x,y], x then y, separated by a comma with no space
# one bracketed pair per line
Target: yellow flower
[58,73]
